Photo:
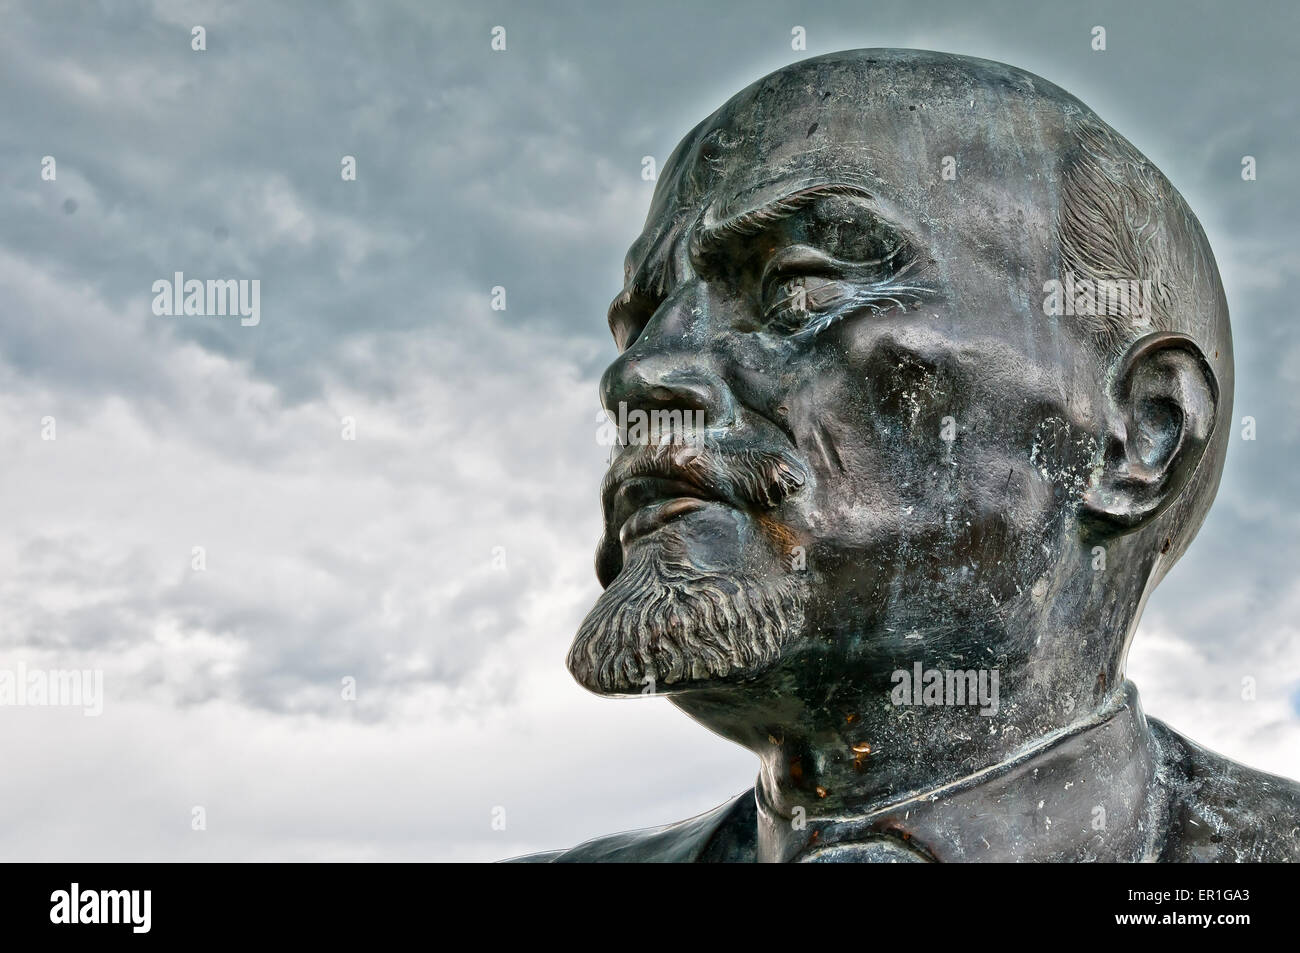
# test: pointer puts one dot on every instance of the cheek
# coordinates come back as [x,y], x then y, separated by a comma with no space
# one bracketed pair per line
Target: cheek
[881,420]
[922,448]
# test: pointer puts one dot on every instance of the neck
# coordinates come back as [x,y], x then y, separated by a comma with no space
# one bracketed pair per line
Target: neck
[1085,794]
[873,740]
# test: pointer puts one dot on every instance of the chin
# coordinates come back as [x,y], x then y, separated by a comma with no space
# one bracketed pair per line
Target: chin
[667,624]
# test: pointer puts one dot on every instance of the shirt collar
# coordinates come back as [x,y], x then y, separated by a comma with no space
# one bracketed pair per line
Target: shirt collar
[1084,796]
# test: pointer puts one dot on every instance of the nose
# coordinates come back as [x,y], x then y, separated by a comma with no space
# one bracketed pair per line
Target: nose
[670,367]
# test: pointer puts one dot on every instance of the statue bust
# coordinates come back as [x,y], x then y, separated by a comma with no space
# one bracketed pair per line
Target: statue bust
[929,377]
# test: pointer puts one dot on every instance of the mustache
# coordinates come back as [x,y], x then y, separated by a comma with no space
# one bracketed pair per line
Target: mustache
[742,476]
[746,477]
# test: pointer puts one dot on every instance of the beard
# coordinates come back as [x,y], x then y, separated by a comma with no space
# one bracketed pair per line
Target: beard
[664,621]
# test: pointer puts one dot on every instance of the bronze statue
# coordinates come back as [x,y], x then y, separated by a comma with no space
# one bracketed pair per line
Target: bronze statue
[964,366]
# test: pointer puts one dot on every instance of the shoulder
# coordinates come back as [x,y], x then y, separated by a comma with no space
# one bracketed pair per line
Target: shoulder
[1222,811]
[726,834]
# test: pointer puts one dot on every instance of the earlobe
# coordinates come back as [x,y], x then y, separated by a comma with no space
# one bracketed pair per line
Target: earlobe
[1164,401]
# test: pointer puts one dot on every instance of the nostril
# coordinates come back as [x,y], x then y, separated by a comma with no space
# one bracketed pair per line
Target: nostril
[651,383]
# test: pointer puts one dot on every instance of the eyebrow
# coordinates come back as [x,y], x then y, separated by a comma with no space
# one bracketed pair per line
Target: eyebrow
[710,235]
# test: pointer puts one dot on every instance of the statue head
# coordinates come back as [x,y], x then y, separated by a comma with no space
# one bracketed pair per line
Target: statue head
[918,360]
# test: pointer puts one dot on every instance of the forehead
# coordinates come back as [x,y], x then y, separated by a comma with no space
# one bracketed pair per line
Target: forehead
[963,153]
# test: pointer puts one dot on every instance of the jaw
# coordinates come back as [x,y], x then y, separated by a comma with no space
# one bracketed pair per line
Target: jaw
[701,601]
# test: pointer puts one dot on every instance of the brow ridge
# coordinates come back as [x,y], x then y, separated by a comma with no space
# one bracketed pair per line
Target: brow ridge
[709,235]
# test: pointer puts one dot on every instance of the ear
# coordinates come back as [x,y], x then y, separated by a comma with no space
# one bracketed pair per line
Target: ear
[1163,404]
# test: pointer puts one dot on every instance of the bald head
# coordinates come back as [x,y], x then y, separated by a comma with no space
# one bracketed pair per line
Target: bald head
[1039,188]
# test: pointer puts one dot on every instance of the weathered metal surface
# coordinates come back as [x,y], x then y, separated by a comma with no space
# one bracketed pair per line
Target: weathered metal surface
[911,445]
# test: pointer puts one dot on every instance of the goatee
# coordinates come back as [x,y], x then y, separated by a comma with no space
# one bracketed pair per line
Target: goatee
[666,622]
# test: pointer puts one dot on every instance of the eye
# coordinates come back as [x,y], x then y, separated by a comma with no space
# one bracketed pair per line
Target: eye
[804,290]
[791,303]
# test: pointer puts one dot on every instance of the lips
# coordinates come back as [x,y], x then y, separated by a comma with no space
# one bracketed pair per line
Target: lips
[649,487]
[644,504]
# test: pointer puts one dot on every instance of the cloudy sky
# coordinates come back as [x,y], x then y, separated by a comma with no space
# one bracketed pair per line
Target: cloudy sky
[442,559]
